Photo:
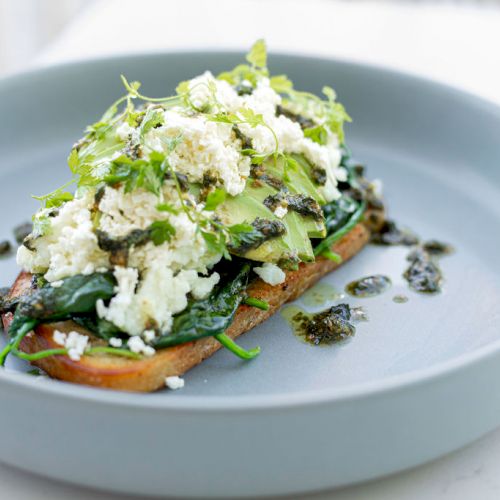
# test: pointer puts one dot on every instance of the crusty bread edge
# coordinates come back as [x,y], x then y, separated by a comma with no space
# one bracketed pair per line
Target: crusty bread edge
[149,373]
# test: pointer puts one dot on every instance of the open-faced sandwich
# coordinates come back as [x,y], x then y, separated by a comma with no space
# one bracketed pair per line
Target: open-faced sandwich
[194,218]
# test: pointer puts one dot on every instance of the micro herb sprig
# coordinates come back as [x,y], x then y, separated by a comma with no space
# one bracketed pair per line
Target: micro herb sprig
[257,67]
[57,197]
[133,93]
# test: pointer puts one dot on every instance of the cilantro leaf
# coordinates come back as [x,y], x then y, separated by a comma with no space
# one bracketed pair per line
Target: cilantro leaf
[216,243]
[317,134]
[281,84]
[56,198]
[161,231]
[166,207]
[257,56]
[336,114]
[73,161]
[253,119]
[214,199]
[152,119]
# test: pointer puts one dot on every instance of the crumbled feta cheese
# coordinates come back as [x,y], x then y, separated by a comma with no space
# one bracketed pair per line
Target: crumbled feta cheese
[288,135]
[206,147]
[328,158]
[115,342]
[149,351]
[280,211]
[123,310]
[70,246]
[205,90]
[149,335]
[270,273]
[137,345]
[124,131]
[377,187]
[168,273]
[201,287]
[174,382]
[56,284]
[74,342]
[59,337]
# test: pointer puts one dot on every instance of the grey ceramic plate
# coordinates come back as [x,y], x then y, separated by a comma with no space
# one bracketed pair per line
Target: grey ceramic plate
[418,380]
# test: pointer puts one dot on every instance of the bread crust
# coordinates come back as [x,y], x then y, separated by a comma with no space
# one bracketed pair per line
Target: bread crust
[149,373]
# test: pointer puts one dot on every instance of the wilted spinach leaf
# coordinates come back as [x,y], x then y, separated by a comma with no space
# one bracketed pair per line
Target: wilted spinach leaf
[211,316]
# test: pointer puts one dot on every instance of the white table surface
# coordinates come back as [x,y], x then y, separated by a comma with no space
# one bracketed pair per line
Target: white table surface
[454,42]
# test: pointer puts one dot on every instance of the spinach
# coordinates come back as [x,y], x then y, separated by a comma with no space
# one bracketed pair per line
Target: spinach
[99,327]
[76,295]
[211,316]
[337,213]
[323,248]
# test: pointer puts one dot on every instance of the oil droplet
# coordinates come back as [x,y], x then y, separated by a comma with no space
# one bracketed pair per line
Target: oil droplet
[320,294]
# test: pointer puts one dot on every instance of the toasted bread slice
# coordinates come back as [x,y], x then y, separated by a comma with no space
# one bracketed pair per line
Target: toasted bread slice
[149,373]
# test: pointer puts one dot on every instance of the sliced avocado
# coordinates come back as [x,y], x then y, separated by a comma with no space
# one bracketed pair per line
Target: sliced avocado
[298,182]
[248,205]
[245,209]
[312,173]
[297,234]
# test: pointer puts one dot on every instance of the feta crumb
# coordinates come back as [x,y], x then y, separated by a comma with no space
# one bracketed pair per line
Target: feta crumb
[115,342]
[207,147]
[270,273]
[149,335]
[74,342]
[57,284]
[70,247]
[280,212]
[124,131]
[137,345]
[59,337]
[174,382]
[149,351]
[377,187]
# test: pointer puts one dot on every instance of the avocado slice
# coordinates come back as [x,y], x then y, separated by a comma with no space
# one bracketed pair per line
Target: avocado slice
[245,209]
[299,183]
[248,205]
[298,180]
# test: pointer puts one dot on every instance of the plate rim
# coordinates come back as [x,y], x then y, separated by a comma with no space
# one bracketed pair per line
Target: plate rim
[257,402]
